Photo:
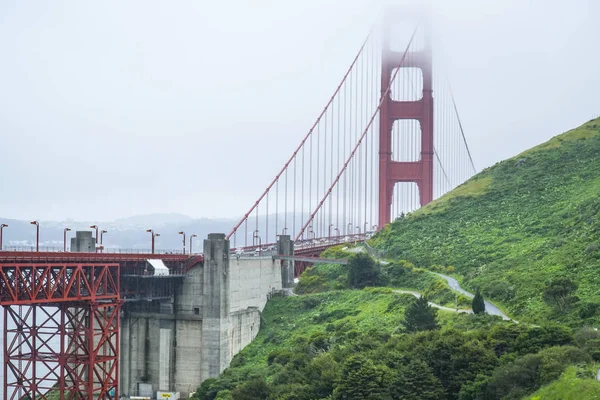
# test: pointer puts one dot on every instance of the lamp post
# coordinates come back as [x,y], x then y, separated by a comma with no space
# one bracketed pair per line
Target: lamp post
[337,233]
[254,237]
[65,239]
[329,231]
[358,227]
[153,235]
[102,232]
[37,235]
[183,233]
[2,226]
[349,231]
[365,227]
[95,227]
[193,235]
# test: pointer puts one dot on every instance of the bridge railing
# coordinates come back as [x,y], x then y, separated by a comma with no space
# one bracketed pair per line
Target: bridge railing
[111,250]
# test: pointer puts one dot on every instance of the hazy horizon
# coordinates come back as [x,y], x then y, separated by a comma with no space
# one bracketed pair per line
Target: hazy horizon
[112,109]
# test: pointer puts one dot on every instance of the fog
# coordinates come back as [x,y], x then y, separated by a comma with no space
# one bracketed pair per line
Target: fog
[110,109]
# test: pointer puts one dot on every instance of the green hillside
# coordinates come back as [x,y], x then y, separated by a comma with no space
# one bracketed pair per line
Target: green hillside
[351,345]
[517,227]
[574,384]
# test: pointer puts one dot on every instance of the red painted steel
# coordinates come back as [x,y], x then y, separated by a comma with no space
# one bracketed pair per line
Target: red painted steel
[380,109]
[67,340]
[57,257]
[392,172]
[287,164]
[27,284]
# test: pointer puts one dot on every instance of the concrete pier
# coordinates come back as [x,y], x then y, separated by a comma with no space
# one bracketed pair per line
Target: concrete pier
[175,344]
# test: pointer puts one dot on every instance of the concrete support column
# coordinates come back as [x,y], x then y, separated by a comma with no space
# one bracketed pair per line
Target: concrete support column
[285,247]
[125,356]
[215,310]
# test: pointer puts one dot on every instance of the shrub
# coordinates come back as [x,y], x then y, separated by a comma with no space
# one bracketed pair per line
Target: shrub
[255,389]
[559,293]
[363,271]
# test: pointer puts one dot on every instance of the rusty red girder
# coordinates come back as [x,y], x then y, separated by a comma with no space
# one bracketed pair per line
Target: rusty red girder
[28,284]
[66,342]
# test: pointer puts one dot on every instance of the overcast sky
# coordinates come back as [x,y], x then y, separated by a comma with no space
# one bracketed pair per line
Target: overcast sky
[115,108]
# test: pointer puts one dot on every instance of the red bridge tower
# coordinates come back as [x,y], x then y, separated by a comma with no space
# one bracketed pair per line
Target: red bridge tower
[421,171]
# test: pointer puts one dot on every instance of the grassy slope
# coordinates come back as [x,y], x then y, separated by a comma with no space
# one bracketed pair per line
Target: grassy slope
[289,318]
[517,224]
[569,387]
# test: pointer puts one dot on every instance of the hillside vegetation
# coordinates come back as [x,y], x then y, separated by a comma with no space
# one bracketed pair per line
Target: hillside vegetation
[526,231]
[350,344]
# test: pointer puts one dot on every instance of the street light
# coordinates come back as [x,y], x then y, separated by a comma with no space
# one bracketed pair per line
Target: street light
[329,231]
[95,227]
[153,235]
[65,239]
[365,227]
[102,232]
[254,237]
[193,235]
[2,226]
[183,233]
[349,231]
[37,235]
[358,227]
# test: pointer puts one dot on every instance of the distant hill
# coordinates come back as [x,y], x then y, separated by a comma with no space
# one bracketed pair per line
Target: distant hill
[515,226]
[130,232]
[155,219]
[125,233]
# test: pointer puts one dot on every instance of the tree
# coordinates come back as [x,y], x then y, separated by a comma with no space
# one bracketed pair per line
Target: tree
[361,379]
[362,271]
[254,389]
[559,293]
[478,305]
[420,316]
[415,381]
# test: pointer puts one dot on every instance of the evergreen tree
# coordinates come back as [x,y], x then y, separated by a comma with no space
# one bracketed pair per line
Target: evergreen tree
[420,316]
[478,305]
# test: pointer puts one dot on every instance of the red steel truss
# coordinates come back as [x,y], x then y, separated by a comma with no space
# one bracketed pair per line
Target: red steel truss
[61,330]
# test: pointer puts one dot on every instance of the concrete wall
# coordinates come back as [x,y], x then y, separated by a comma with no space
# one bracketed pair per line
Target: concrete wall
[244,326]
[215,313]
[252,279]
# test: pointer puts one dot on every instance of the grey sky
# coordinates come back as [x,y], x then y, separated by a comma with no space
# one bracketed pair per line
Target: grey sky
[115,108]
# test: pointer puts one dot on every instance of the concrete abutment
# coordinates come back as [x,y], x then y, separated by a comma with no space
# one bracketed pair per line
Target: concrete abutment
[175,344]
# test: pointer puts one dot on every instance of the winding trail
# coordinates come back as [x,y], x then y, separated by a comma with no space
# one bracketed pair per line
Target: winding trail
[490,308]
[434,305]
